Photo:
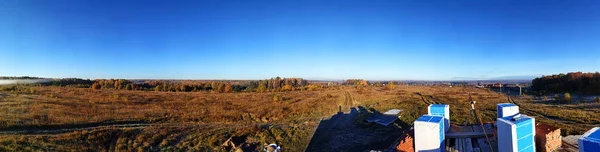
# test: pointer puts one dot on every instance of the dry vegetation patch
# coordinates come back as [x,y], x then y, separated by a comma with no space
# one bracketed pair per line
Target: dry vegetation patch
[205,121]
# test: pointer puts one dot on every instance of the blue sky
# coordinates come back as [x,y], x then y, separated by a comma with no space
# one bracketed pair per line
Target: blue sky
[220,39]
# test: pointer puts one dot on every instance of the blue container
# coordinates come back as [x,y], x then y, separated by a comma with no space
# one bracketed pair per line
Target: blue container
[429,134]
[507,110]
[516,134]
[441,110]
[590,141]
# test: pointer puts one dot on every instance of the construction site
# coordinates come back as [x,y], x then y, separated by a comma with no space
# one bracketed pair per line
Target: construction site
[512,132]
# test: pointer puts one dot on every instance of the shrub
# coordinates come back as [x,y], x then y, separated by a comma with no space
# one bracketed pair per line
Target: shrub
[277,98]
[567,97]
[96,86]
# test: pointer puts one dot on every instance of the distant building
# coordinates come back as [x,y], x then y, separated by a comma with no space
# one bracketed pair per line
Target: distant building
[497,85]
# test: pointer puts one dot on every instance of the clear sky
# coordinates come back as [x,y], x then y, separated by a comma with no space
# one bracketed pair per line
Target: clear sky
[255,39]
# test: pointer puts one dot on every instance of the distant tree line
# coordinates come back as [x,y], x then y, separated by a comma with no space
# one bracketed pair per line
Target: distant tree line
[268,85]
[390,85]
[18,78]
[577,82]
[68,82]
[357,82]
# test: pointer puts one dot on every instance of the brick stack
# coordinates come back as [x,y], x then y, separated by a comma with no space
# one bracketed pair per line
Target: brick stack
[406,143]
[547,138]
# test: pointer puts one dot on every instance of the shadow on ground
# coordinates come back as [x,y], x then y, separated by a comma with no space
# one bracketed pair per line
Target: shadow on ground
[349,132]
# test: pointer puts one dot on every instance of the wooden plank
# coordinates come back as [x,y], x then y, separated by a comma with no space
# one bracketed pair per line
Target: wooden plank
[456,144]
[488,126]
[485,147]
[477,128]
[463,144]
[468,145]
[467,134]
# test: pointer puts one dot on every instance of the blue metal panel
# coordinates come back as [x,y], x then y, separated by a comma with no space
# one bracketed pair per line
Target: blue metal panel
[590,146]
[436,119]
[524,128]
[594,137]
[528,149]
[590,142]
[424,118]
[525,142]
[442,135]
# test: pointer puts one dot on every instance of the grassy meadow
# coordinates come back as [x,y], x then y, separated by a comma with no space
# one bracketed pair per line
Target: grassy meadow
[208,121]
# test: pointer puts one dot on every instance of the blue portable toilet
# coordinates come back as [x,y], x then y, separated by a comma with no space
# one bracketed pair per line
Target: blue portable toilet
[429,134]
[507,110]
[516,134]
[441,110]
[590,141]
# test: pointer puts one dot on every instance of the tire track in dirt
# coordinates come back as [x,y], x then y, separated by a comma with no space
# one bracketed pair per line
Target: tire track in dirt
[69,129]
[523,108]
[57,131]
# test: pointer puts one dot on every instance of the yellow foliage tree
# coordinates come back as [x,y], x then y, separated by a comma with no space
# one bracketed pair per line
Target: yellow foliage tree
[390,85]
[228,88]
[288,87]
[96,86]
[262,87]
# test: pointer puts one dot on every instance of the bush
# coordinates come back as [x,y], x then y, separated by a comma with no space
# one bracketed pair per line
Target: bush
[567,97]
[96,86]
[277,98]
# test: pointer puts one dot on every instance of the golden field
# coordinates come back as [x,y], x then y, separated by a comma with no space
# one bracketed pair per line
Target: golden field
[35,118]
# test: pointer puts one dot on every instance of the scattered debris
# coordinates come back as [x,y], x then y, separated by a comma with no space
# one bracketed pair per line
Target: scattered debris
[386,118]
[272,148]
[406,142]
[240,144]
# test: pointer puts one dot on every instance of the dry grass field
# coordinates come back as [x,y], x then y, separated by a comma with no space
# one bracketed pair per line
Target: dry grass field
[65,119]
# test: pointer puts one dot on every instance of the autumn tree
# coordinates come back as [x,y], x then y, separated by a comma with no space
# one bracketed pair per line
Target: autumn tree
[158,88]
[567,97]
[578,82]
[228,88]
[128,87]
[262,87]
[287,87]
[96,86]
[390,86]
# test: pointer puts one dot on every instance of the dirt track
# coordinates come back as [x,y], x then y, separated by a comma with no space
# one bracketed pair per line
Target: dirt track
[68,129]
[340,133]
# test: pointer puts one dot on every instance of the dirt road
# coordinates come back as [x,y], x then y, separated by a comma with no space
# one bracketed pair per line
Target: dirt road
[340,133]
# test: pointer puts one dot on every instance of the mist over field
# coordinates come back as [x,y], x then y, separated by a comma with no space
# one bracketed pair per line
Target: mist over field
[7,82]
